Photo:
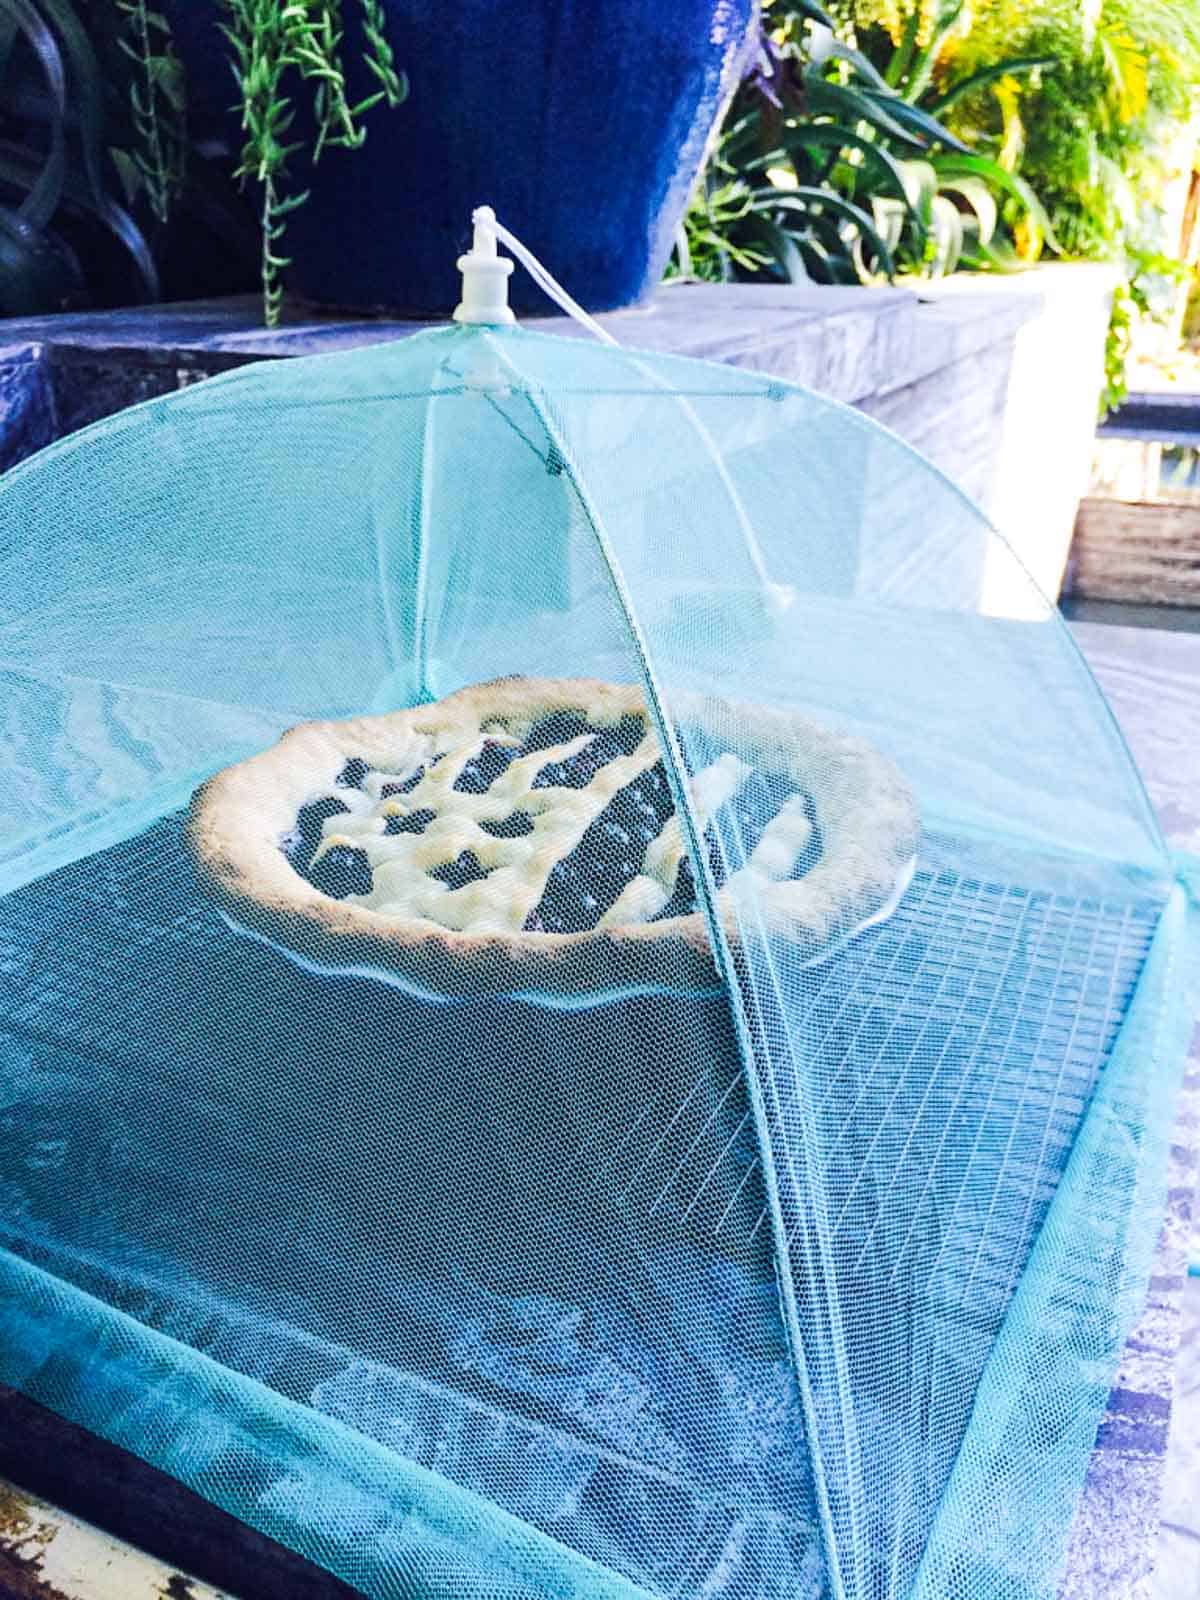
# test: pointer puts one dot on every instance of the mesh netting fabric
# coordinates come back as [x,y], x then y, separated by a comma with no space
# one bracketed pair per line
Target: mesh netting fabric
[475,1194]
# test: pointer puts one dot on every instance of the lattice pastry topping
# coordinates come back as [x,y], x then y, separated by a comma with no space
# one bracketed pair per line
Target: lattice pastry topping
[502,835]
[527,810]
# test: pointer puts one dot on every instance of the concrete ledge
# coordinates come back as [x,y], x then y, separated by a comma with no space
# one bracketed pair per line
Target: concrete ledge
[853,345]
[27,415]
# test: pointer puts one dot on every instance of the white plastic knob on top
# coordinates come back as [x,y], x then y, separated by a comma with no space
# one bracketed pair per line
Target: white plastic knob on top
[485,276]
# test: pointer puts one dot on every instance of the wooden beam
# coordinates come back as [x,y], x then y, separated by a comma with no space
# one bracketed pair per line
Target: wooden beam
[1139,550]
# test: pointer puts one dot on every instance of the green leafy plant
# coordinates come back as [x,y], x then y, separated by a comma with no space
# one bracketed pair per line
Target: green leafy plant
[920,136]
[968,194]
[804,117]
[706,248]
[1133,303]
[1087,136]
[830,167]
[285,51]
[156,161]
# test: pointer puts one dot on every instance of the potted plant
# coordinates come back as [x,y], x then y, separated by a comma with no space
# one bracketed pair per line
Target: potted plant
[583,122]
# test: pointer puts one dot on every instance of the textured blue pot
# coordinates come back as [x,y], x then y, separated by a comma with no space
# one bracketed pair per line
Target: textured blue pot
[583,122]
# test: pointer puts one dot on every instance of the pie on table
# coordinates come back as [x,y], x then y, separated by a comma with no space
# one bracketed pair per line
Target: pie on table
[521,835]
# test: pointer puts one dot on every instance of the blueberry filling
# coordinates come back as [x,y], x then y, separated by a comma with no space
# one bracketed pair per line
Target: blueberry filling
[352,774]
[411,822]
[656,791]
[312,817]
[683,897]
[508,827]
[389,789]
[300,844]
[558,728]
[464,869]
[342,871]
[811,854]
[639,811]
[577,771]
[586,883]
[628,734]
[683,894]
[479,774]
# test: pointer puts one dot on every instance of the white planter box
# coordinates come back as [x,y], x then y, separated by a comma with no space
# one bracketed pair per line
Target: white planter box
[1046,431]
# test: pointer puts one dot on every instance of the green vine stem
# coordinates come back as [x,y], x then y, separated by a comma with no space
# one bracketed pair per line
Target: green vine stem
[157,105]
[277,49]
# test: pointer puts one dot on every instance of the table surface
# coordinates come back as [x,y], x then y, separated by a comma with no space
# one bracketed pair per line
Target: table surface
[1152,679]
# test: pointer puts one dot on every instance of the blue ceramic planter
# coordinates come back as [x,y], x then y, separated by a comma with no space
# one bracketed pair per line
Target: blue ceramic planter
[583,122]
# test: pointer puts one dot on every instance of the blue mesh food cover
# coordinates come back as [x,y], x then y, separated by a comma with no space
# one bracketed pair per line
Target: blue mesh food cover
[591,998]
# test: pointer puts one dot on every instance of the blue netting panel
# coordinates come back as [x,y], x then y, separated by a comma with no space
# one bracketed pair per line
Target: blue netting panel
[780,1240]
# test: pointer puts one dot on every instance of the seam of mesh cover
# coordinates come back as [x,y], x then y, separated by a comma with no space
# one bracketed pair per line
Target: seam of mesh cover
[721,952]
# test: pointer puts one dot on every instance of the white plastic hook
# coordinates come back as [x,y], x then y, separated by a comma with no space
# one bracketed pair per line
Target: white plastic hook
[485,276]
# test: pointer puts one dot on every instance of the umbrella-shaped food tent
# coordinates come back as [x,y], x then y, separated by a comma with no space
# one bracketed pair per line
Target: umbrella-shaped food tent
[658,1084]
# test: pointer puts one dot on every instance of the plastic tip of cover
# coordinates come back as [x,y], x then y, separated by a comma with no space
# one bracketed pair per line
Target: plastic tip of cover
[484,276]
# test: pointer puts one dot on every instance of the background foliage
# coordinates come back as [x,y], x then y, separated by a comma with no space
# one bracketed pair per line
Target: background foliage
[108,195]
[878,137]
[838,161]
[288,59]
[874,138]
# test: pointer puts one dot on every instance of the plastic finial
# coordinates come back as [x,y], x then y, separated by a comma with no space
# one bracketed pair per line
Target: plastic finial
[485,275]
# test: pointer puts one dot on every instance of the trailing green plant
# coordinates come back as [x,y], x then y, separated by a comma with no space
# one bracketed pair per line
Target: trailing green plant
[286,50]
[1133,303]
[829,167]
[94,137]
[156,162]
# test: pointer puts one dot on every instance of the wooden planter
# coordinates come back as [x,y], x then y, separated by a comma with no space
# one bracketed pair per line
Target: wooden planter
[1140,550]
